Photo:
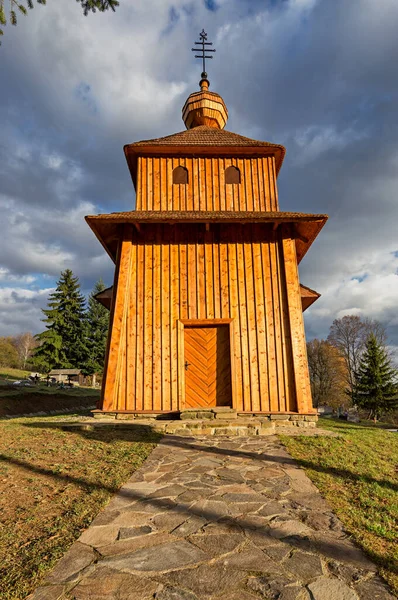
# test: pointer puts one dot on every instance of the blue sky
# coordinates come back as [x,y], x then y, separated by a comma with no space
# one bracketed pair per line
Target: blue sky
[318,76]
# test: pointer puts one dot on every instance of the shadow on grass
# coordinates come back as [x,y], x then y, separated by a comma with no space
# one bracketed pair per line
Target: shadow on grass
[96,432]
[128,498]
[346,427]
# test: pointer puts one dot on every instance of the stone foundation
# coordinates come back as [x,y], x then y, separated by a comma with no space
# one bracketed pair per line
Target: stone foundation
[214,421]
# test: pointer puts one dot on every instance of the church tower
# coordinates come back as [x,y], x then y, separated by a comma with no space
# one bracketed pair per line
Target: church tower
[206,306]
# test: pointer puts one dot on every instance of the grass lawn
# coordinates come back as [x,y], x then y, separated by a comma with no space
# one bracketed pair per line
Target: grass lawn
[52,484]
[13,374]
[15,400]
[357,474]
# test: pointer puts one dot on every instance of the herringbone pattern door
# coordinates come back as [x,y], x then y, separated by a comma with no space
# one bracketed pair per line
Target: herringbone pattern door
[207,366]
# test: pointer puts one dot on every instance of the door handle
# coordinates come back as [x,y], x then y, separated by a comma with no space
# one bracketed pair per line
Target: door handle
[187,364]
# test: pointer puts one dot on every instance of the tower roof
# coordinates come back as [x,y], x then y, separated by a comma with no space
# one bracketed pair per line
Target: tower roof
[202,140]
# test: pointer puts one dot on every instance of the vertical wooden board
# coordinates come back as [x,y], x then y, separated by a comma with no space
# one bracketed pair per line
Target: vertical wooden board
[132,332]
[118,322]
[283,389]
[163,200]
[139,352]
[147,190]
[138,194]
[192,280]
[202,184]
[157,282]
[165,329]
[221,183]
[209,184]
[190,186]
[235,314]
[254,177]
[246,391]
[250,300]
[229,197]
[195,183]
[300,361]
[216,277]
[201,284]
[247,184]
[216,188]
[142,197]
[260,184]
[180,365]
[277,320]
[184,188]
[291,403]
[267,190]
[271,176]
[239,189]
[273,392]
[209,276]
[122,364]
[183,278]
[175,187]
[261,337]
[156,184]
[276,201]
[174,316]
[224,276]
[148,321]
[169,183]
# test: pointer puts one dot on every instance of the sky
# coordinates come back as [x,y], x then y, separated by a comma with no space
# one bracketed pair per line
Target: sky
[318,76]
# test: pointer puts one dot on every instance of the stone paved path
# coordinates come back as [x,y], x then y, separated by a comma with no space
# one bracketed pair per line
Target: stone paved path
[215,518]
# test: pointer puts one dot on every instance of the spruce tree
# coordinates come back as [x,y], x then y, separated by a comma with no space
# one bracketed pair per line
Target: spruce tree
[376,386]
[20,7]
[97,332]
[63,345]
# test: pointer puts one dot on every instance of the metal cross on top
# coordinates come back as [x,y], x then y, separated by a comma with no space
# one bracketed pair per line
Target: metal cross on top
[203,50]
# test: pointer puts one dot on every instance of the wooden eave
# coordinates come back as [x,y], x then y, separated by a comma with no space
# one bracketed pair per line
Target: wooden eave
[107,227]
[308,296]
[105,297]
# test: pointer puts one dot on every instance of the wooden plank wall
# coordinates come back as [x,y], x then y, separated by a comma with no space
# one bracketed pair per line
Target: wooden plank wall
[185,272]
[206,188]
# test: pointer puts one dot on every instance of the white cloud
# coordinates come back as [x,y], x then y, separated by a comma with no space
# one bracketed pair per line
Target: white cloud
[20,310]
[317,139]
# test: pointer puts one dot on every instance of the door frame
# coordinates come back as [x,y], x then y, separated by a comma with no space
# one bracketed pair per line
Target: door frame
[181,324]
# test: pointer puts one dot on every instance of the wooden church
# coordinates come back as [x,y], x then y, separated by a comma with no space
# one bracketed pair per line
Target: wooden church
[206,308]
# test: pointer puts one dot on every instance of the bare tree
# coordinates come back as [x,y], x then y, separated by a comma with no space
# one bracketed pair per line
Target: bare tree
[349,335]
[328,374]
[25,344]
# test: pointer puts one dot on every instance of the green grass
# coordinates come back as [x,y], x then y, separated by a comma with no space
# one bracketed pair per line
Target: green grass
[42,389]
[13,374]
[52,485]
[357,474]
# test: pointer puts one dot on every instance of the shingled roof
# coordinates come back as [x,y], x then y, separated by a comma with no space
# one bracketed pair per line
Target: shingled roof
[206,136]
[206,141]
[107,226]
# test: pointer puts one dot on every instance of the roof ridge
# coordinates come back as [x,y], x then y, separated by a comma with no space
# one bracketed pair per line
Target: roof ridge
[212,134]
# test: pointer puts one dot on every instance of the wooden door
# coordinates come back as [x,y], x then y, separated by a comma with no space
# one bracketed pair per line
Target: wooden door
[207,366]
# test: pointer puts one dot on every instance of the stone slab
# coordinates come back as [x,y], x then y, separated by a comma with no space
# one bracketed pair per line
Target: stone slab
[176,554]
[325,588]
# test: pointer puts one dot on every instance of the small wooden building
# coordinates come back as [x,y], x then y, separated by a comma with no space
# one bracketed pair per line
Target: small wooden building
[206,306]
[74,376]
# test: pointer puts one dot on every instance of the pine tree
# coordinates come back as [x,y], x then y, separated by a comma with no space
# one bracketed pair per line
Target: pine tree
[63,344]
[376,387]
[97,332]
